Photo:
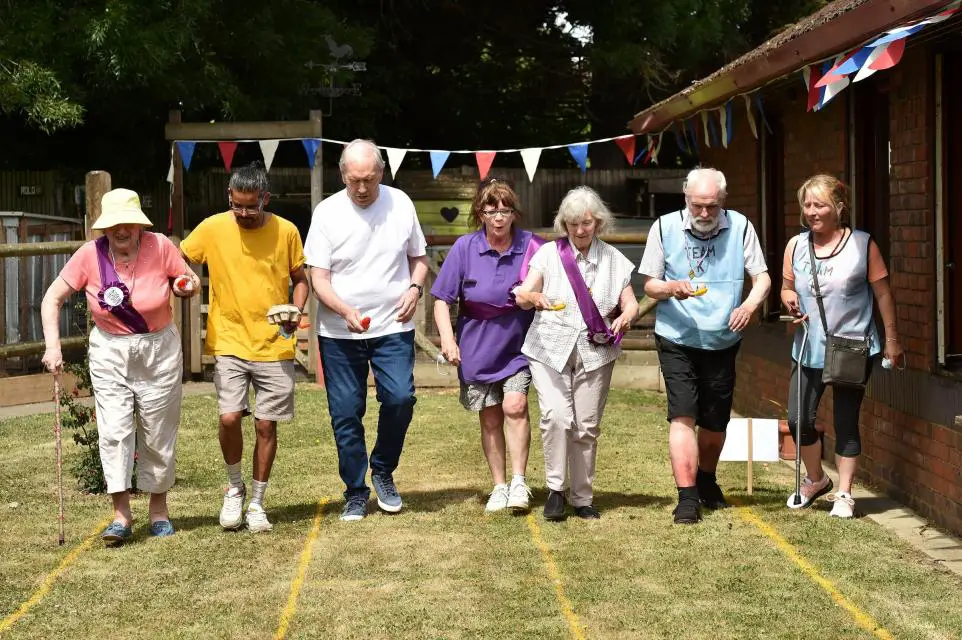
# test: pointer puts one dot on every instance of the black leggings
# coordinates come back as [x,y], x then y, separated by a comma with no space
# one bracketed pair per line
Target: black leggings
[847,403]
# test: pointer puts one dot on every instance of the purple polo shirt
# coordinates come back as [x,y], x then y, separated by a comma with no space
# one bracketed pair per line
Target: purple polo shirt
[490,349]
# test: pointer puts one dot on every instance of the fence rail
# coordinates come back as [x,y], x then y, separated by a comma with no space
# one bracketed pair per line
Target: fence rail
[30,249]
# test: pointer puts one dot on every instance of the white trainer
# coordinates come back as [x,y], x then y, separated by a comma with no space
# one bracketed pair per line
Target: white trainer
[498,501]
[519,497]
[232,513]
[257,521]
[844,505]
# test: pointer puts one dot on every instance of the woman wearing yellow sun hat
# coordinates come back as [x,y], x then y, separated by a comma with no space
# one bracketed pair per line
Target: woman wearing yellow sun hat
[135,354]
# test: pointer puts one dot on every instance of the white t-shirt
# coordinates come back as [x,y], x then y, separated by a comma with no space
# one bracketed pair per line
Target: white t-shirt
[366,251]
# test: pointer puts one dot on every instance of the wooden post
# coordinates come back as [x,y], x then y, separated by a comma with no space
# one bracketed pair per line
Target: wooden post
[317,194]
[177,222]
[97,184]
[750,442]
[194,326]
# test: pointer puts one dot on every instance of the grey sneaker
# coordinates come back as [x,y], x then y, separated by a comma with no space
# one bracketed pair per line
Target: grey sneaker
[355,508]
[387,496]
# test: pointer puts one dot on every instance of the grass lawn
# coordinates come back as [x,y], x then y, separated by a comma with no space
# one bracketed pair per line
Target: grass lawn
[441,568]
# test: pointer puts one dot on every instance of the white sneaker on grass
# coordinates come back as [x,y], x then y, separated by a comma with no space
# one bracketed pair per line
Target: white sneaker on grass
[257,518]
[519,497]
[498,501]
[232,513]
[844,505]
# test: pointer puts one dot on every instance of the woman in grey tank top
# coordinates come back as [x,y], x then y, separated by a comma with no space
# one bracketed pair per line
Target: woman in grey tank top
[851,276]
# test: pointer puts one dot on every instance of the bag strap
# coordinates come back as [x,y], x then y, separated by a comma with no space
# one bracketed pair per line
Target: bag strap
[818,291]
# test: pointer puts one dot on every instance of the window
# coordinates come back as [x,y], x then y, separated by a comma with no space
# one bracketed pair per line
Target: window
[948,165]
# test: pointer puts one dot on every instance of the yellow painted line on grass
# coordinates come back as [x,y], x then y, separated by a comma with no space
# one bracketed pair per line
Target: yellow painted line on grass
[291,607]
[574,625]
[51,577]
[861,618]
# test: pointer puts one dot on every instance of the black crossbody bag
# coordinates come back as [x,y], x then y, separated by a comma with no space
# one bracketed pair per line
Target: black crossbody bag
[846,359]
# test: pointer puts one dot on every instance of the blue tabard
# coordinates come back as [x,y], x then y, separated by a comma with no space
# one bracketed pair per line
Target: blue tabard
[719,263]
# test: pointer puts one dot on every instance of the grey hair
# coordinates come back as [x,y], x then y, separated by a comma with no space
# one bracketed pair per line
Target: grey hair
[702,174]
[250,178]
[361,143]
[580,201]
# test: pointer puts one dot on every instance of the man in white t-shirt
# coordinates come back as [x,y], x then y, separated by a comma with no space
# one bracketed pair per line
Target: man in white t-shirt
[368,265]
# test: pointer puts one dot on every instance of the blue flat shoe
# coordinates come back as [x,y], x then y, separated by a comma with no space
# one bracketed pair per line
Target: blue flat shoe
[116,533]
[161,528]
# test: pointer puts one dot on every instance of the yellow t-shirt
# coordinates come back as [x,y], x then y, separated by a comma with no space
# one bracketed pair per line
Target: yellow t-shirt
[250,270]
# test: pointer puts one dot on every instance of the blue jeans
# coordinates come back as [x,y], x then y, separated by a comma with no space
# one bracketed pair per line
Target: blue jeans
[345,364]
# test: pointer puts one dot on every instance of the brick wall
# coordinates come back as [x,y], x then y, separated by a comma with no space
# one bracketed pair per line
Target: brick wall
[915,460]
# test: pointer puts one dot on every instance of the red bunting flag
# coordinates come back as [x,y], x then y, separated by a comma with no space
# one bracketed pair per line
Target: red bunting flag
[627,145]
[227,150]
[484,159]
[890,56]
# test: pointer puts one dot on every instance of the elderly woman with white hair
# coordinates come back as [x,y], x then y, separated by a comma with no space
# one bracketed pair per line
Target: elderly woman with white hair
[581,289]
[136,363]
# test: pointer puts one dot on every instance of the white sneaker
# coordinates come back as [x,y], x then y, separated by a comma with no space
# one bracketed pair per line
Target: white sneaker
[498,500]
[519,497]
[810,491]
[232,513]
[844,506]
[257,519]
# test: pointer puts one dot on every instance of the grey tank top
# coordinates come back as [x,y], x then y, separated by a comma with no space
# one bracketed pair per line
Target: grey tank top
[846,294]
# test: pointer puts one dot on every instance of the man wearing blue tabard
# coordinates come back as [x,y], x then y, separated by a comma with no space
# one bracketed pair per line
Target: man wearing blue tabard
[695,262]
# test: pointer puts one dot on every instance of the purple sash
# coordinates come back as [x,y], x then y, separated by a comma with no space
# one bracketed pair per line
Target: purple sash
[114,295]
[485,311]
[598,332]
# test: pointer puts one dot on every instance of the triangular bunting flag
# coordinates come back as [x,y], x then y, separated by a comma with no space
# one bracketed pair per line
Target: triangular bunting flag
[627,146]
[812,74]
[394,158]
[227,149]
[654,156]
[889,57]
[641,154]
[750,115]
[704,124]
[834,74]
[713,131]
[894,35]
[186,149]
[651,150]
[580,153]
[853,62]
[438,158]
[268,149]
[484,160]
[867,69]
[530,158]
[761,111]
[833,89]
[170,170]
[682,147]
[693,133]
[310,148]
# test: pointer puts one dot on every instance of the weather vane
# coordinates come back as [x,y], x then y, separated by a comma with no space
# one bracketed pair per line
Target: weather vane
[338,52]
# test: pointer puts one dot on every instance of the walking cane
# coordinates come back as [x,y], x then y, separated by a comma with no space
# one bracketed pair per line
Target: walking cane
[56,402]
[798,418]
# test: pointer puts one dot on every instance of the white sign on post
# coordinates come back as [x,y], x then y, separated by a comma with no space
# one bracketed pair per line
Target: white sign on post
[751,439]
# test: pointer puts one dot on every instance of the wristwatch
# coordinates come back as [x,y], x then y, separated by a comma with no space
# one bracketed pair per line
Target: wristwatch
[420,289]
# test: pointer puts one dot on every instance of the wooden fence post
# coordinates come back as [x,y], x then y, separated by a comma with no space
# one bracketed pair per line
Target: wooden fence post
[317,194]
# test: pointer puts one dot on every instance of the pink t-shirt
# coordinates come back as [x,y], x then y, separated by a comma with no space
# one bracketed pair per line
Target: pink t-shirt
[157,261]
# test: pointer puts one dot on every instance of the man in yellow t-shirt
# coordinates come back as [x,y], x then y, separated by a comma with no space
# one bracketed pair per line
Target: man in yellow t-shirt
[252,256]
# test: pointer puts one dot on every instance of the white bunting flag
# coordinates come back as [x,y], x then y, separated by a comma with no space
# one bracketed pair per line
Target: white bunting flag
[704,125]
[170,171]
[751,116]
[866,69]
[531,157]
[394,158]
[268,149]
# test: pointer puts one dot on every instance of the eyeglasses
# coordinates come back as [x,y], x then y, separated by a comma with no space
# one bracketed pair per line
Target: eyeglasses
[355,183]
[246,211]
[502,213]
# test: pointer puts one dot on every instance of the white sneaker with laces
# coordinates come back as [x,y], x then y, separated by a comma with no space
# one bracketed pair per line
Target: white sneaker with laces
[519,497]
[844,505]
[498,501]
[257,519]
[232,513]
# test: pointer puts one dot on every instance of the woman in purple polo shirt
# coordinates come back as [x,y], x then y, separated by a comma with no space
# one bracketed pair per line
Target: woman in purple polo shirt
[479,273]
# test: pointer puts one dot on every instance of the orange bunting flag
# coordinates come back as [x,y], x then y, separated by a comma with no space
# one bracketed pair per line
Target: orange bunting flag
[227,150]
[484,158]
[627,145]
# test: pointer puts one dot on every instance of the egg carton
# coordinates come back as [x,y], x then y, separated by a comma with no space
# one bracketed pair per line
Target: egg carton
[281,313]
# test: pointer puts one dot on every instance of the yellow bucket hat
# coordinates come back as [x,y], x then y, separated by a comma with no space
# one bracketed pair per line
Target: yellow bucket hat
[120,206]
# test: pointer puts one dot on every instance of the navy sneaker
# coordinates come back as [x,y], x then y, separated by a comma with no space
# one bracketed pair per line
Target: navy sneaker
[387,496]
[355,508]
[116,533]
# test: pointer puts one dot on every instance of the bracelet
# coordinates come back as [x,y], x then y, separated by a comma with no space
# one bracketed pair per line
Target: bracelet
[891,339]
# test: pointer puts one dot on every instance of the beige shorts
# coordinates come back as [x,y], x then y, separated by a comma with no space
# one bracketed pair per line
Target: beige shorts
[273,387]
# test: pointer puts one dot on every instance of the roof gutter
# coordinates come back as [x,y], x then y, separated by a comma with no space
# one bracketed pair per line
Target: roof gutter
[839,34]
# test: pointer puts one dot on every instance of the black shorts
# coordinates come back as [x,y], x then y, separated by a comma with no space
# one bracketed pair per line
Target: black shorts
[700,383]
